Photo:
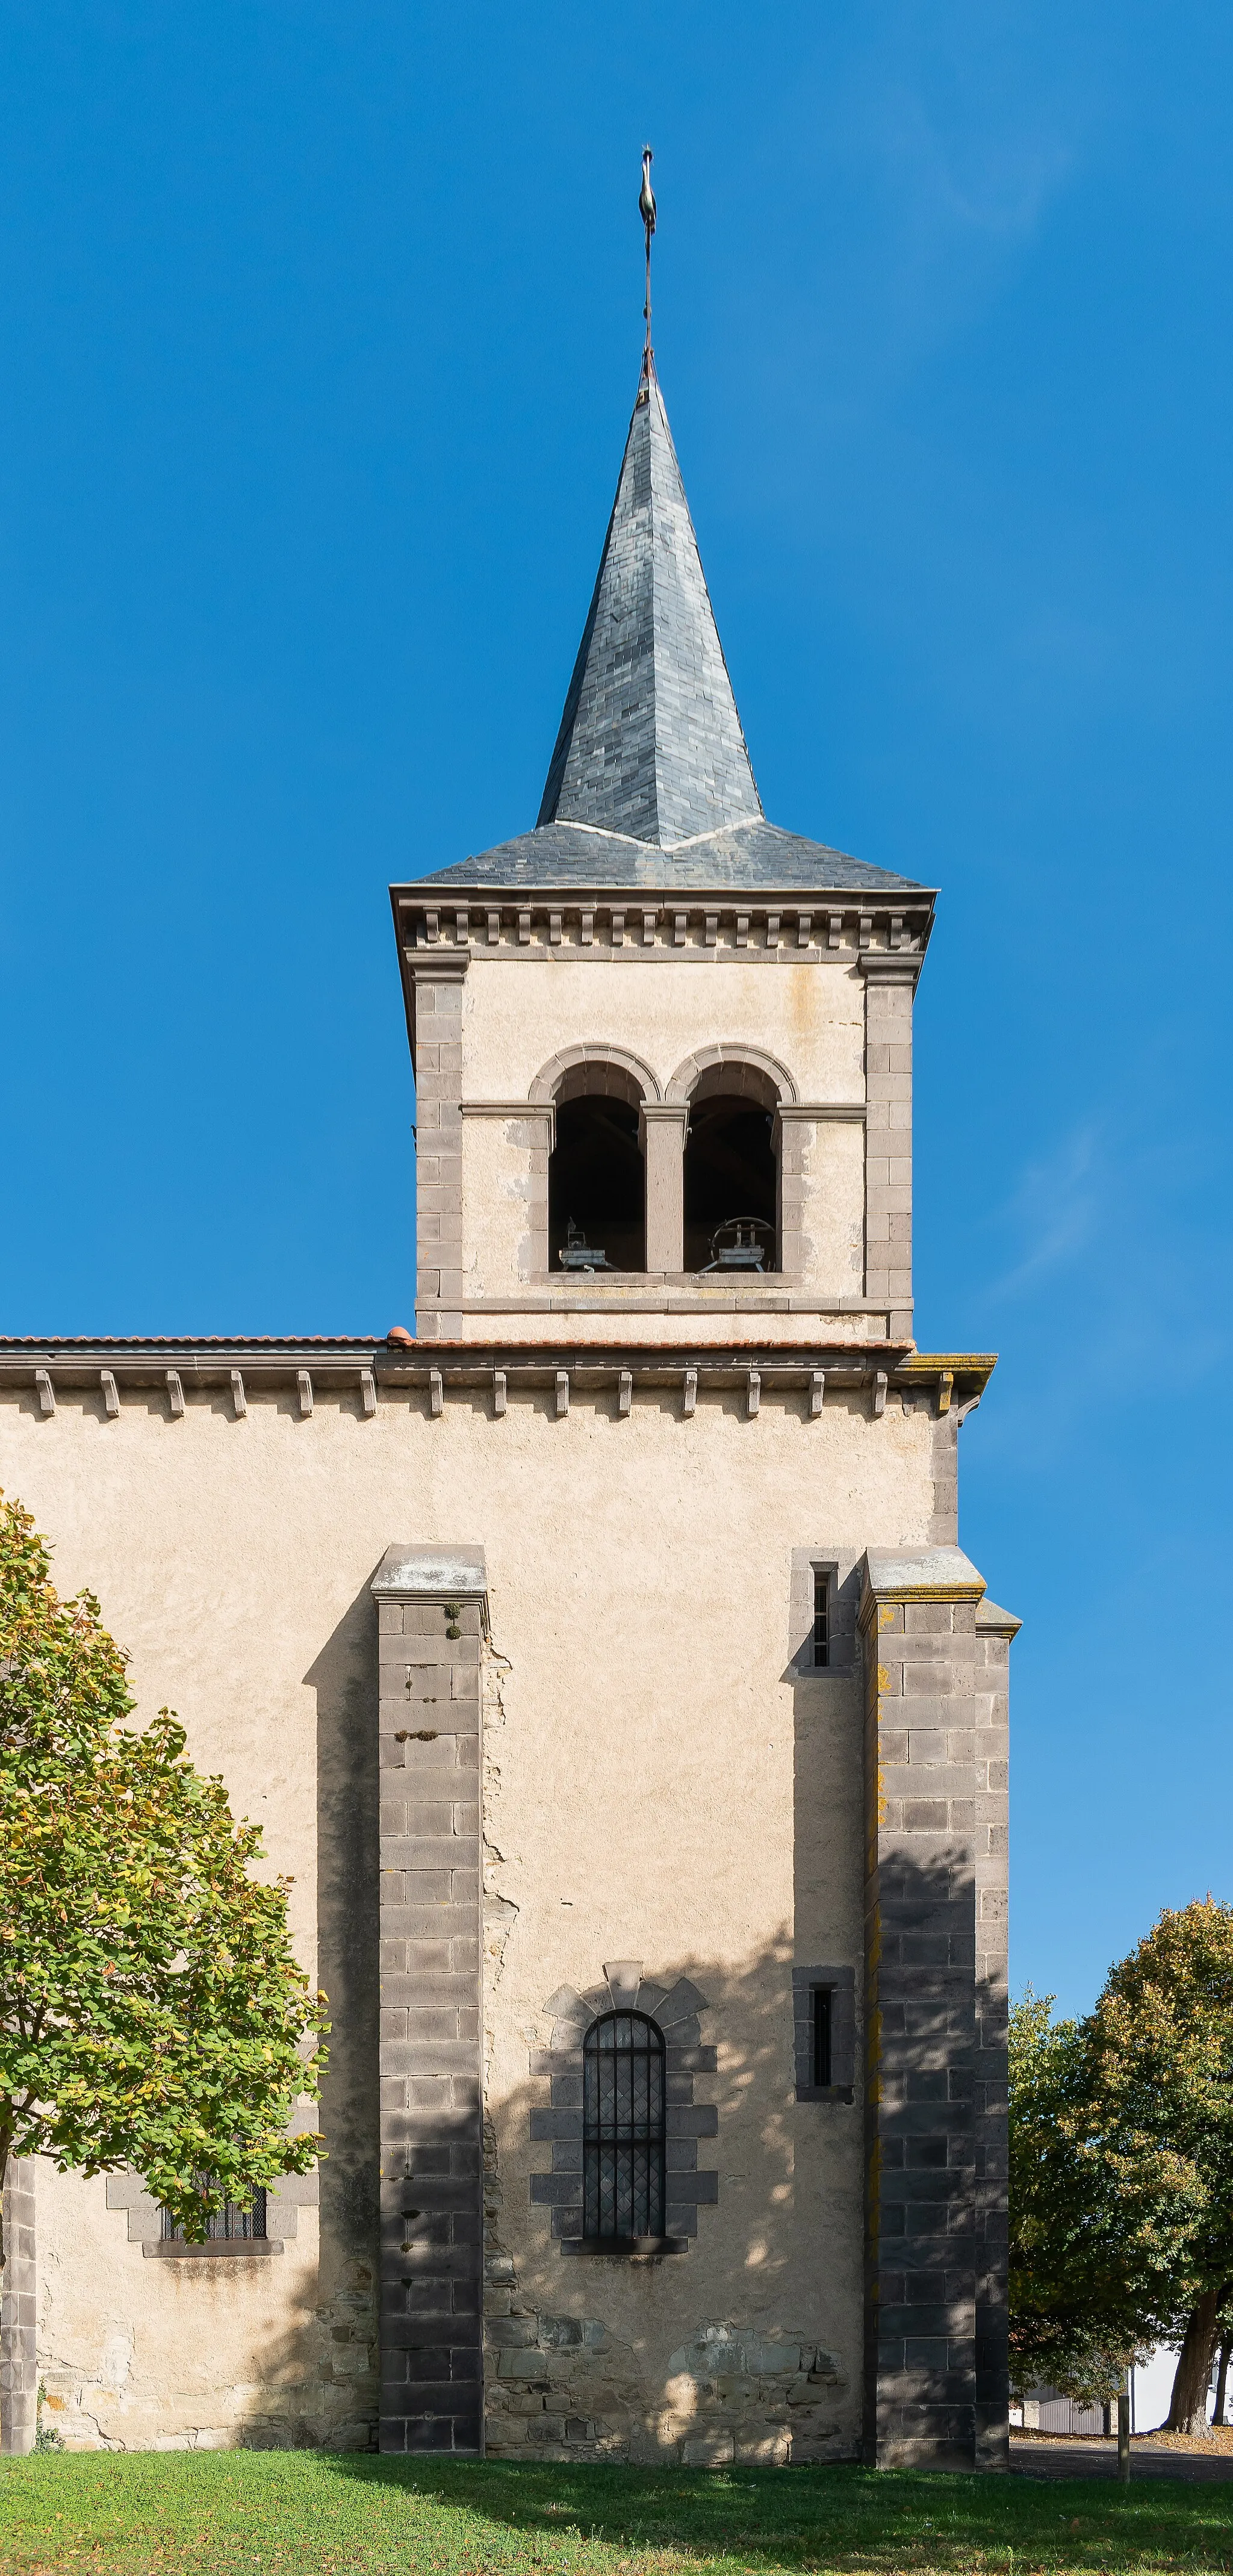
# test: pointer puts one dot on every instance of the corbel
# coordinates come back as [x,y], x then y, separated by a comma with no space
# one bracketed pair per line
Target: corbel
[962,1410]
[618,930]
[804,929]
[562,1392]
[239,1401]
[864,932]
[554,929]
[649,923]
[817,1391]
[711,932]
[111,1399]
[679,923]
[494,929]
[753,1392]
[500,1392]
[462,927]
[305,1385]
[436,1391]
[834,929]
[625,1391]
[432,928]
[588,929]
[368,1391]
[742,930]
[879,1390]
[772,930]
[47,1392]
[524,928]
[175,1394]
[896,930]
[946,1388]
[690,1404]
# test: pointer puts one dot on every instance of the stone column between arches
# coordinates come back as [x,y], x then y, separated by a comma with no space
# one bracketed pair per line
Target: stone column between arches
[432,1613]
[662,1130]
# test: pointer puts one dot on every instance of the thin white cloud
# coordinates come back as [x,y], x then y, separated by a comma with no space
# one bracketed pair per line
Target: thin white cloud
[1054,1211]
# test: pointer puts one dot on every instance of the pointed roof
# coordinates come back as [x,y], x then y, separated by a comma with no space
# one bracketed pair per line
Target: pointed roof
[650,785]
[650,744]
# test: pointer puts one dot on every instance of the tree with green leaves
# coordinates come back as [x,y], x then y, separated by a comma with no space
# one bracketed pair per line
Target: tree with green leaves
[1160,2043]
[152,2015]
[1121,2168]
[1091,2247]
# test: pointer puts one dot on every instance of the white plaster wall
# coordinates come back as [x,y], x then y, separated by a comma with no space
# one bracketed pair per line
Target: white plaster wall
[497,1213]
[663,1791]
[831,1201]
[519,1011]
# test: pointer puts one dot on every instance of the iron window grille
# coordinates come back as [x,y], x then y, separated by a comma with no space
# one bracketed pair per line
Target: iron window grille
[821,2035]
[223,2226]
[623,2130]
[821,1619]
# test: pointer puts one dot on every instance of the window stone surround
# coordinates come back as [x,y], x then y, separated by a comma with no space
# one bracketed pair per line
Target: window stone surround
[842,1984]
[675,2009]
[284,2200]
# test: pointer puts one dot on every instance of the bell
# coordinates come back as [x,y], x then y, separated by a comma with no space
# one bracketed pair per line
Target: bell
[578,1254]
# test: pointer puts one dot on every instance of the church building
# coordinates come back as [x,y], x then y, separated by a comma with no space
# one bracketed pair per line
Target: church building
[603,1668]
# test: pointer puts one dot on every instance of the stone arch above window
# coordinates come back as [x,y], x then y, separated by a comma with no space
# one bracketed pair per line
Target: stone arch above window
[742,1070]
[579,1069]
[674,2009]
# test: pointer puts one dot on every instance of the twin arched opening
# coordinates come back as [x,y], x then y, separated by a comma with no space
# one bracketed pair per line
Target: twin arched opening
[687,1181]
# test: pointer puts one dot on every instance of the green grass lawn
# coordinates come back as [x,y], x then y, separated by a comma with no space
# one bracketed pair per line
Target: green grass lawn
[310,2514]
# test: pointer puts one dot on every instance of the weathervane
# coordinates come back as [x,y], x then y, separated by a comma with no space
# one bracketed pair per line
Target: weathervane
[646,208]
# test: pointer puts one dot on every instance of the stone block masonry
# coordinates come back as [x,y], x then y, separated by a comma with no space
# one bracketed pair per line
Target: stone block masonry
[436,982]
[935,1965]
[18,2360]
[431,1609]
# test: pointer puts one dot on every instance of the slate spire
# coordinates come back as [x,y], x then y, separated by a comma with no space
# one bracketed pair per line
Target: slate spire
[650,741]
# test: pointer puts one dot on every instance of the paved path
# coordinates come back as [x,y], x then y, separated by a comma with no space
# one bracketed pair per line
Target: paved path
[1077,2457]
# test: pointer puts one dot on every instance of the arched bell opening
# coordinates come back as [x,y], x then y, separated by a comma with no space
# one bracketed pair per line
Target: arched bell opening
[732,1172]
[596,1173]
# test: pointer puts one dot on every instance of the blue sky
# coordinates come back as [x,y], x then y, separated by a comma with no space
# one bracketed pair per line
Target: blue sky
[322,330]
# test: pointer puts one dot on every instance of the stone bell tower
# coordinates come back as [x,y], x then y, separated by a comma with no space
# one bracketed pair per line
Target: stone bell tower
[663,1055]
[711,1017]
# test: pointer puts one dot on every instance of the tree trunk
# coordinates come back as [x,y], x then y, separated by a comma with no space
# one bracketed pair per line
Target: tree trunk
[1188,2404]
[1222,2373]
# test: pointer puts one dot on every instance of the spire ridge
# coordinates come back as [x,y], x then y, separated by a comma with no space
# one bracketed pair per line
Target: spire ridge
[650,742]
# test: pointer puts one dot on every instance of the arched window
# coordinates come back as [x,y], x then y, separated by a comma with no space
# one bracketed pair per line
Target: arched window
[732,1171]
[623,2129]
[596,1174]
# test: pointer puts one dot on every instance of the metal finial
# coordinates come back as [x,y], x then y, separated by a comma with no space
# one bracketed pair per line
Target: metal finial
[646,208]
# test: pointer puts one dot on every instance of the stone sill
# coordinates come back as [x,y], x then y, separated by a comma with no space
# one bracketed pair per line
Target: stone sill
[825,2093]
[626,2249]
[224,2249]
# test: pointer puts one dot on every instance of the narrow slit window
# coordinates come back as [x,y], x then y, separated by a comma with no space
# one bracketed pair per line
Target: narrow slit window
[229,2224]
[623,2152]
[822,1997]
[821,1619]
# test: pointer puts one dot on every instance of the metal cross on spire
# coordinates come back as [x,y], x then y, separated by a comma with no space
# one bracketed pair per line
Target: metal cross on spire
[646,208]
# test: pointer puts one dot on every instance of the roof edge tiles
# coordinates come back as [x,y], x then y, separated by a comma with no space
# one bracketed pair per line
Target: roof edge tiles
[741,856]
